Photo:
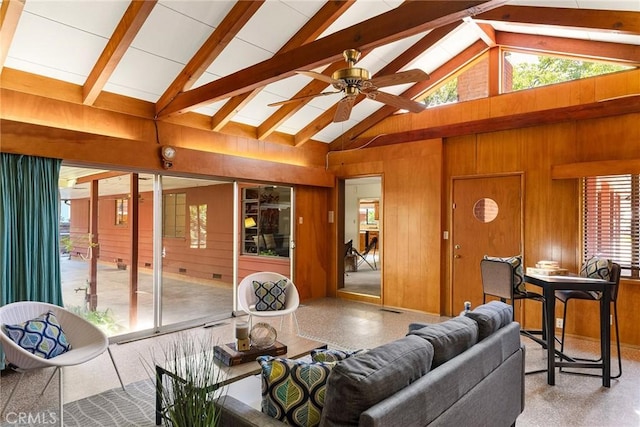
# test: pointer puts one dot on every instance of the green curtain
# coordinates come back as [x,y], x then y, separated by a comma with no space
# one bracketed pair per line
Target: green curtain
[29,240]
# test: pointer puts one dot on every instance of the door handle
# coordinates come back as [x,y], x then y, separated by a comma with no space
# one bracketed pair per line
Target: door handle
[457,256]
[457,246]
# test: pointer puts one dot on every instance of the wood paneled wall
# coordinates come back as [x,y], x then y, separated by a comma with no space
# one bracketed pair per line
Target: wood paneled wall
[311,241]
[411,218]
[552,211]
[416,178]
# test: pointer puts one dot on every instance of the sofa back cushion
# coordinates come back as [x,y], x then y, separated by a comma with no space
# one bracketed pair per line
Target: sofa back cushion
[449,338]
[491,317]
[359,382]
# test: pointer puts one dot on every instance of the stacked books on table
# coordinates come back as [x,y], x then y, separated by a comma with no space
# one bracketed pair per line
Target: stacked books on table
[228,354]
[547,268]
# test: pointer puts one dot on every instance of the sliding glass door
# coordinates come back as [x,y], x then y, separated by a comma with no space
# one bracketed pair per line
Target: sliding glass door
[114,273]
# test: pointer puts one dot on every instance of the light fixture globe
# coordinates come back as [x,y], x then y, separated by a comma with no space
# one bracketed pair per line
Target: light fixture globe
[168,154]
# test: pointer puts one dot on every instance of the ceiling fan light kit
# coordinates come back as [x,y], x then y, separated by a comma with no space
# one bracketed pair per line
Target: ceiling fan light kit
[353,81]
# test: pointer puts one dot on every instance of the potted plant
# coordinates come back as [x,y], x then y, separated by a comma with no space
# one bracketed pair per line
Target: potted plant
[67,244]
[191,386]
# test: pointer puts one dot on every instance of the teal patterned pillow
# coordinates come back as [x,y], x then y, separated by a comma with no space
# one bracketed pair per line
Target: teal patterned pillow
[270,295]
[519,286]
[293,391]
[597,268]
[42,336]
[332,355]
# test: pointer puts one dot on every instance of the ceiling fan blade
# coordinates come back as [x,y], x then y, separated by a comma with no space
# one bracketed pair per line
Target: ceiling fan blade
[344,109]
[319,76]
[301,98]
[396,101]
[409,76]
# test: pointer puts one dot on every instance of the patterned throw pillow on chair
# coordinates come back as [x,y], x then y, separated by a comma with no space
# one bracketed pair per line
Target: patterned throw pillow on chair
[293,391]
[597,268]
[518,271]
[42,336]
[270,295]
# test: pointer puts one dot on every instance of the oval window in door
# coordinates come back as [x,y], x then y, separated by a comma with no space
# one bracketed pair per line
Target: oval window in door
[485,210]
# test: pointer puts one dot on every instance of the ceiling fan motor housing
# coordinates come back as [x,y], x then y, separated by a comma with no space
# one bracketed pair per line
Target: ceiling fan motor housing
[351,76]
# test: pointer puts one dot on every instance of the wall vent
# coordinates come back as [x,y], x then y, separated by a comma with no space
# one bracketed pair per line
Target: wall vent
[217,275]
[182,270]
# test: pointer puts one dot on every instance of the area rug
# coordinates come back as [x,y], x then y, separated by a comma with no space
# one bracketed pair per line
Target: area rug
[112,408]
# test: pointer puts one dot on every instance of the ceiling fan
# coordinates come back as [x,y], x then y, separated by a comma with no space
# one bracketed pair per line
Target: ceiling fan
[353,81]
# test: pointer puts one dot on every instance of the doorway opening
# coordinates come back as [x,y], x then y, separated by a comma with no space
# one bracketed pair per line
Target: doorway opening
[363,237]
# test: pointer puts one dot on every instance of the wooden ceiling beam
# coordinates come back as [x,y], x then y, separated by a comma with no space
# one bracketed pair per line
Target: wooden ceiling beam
[417,49]
[348,139]
[613,107]
[596,20]
[486,32]
[406,20]
[230,26]
[132,20]
[10,13]
[326,16]
[603,51]
[99,176]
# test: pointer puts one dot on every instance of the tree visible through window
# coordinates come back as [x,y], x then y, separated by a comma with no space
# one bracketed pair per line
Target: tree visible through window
[531,71]
[446,94]
[122,211]
[198,226]
[611,220]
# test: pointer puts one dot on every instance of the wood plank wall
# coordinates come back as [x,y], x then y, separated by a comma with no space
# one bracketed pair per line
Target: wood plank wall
[551,206]
[180,258]
[416,179]
[552,211]
[311,241]
[411,218]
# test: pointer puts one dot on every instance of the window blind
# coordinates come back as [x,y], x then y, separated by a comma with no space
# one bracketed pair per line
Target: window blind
[611,220]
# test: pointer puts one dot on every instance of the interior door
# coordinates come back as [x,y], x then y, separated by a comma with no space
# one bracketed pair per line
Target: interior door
[487,220]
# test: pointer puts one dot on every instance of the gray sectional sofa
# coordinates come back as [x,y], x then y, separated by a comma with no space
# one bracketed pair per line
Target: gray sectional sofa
[468,370]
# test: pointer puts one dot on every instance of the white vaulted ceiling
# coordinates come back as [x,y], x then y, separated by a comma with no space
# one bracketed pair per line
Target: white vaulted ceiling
[63,40]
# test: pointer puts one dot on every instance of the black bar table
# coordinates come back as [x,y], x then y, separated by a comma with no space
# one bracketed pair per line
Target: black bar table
[551,284]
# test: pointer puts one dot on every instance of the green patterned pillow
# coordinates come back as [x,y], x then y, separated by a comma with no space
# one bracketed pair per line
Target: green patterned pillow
[597,268]
[270,295]
[42,336]
[519,286]
[293,391]
[332,355]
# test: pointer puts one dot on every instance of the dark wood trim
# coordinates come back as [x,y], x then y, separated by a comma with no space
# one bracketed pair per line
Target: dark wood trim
[613,107]
[603,167]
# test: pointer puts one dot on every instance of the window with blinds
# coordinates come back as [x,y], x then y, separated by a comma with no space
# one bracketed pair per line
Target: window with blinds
[611,220]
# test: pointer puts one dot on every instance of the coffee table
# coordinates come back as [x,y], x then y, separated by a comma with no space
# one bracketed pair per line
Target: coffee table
[297,346]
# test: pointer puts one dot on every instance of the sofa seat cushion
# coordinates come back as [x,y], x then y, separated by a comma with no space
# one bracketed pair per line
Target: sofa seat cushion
[357,383]
[449,338]
[491,317]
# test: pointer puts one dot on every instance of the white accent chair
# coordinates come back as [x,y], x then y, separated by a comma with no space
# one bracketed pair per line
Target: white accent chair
[87,342]
[247,298]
